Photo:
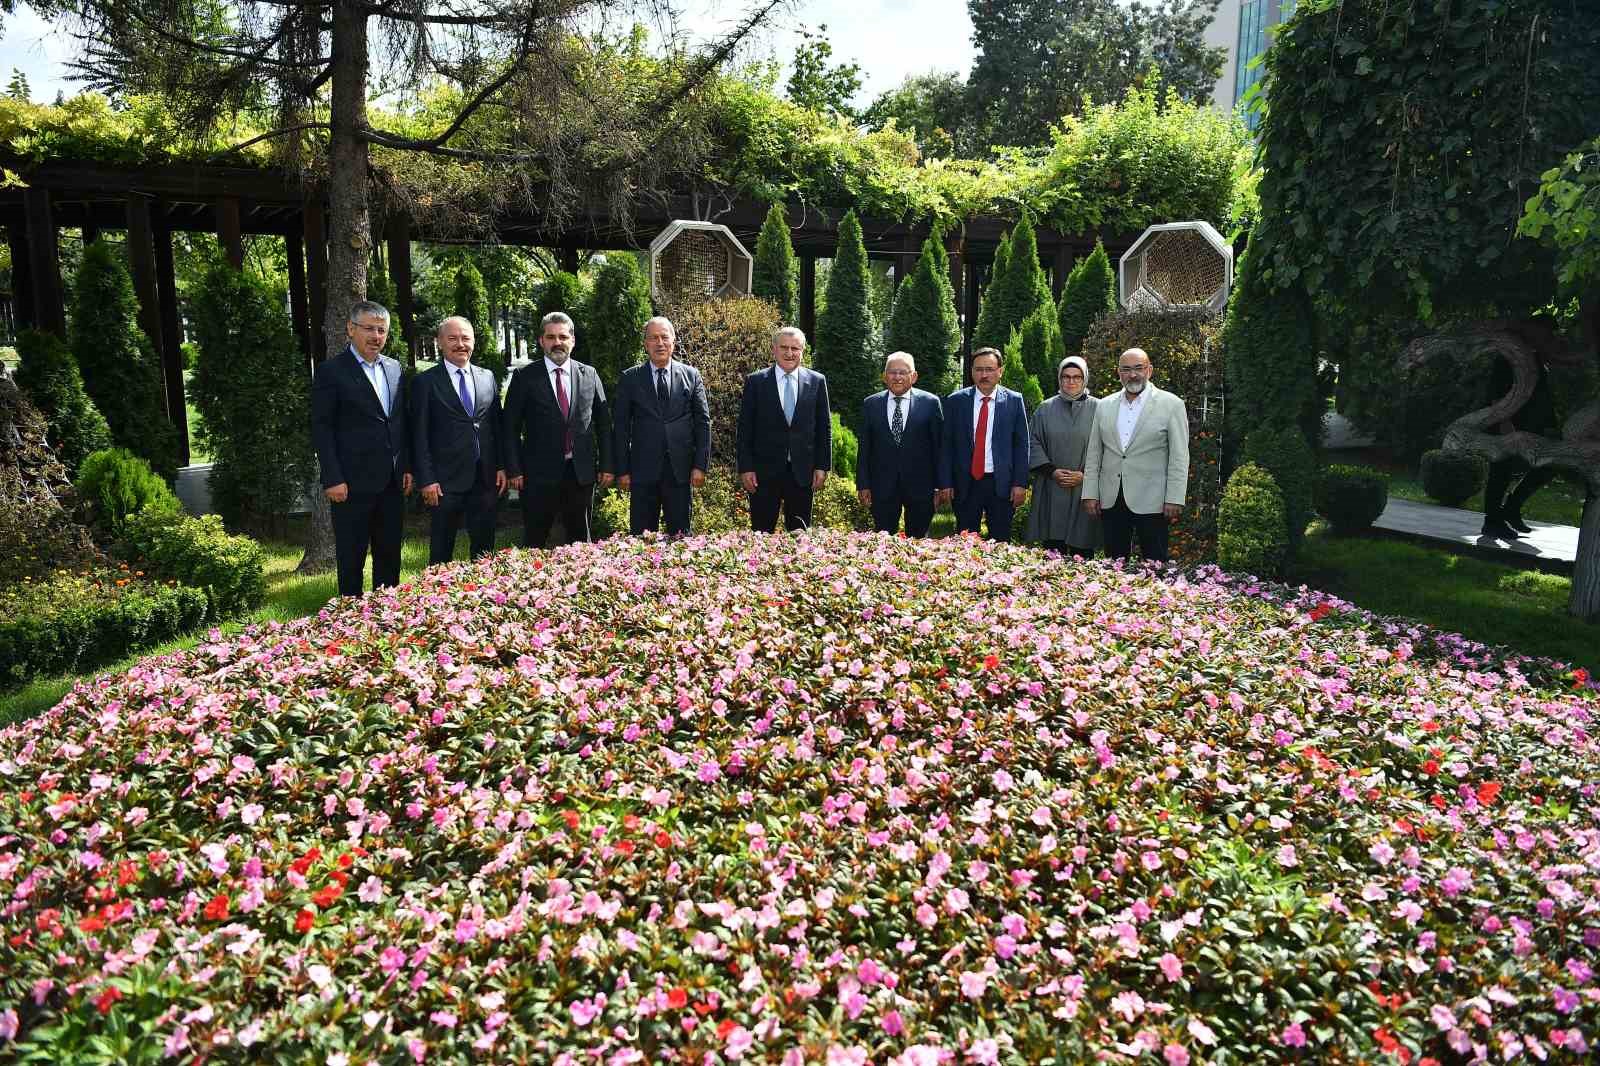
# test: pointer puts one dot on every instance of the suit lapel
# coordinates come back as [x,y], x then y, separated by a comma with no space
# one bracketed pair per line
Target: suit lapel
[391,377]
[362,382]
[445,379]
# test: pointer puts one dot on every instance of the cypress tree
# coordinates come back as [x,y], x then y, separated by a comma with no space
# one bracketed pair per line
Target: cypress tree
[987,333]
[120,370]
[776,277]
[615,316]
[49,375]
[1038,349]
[1015,374]
[472,303]
[1090,291]
[563,291]
[924,322]
[844,342]
[1015,293]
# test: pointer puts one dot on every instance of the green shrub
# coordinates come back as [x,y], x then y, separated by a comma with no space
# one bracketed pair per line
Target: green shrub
[565,292]
[1283,453]
[614,318]
[472,303]
[845,351]
[1014,374]
[198,552]
[1017,288]
[1185,355]
[726,340]
[610,517]
[1351,497]
[1019,521]
[836,505]
[117,484]
[1035,348]
[1271,365]
[845,449]
[50,377]
[1251,533]
[720,506]
[1452,478]
[924,322]
[1090,291]
[775,276]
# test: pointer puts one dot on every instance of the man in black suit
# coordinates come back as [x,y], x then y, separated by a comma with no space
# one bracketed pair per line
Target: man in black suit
[897,467]
[555,419]
[358,426]
[785,436]
[457,444]
[663,434]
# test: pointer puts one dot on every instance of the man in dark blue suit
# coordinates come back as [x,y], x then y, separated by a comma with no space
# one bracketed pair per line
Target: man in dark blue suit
[902,437]
[457,444]
[986,449]
[358,427]
[663,434]
[785,436]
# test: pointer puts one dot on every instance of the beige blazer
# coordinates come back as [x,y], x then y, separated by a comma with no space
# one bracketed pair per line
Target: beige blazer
[1155,468]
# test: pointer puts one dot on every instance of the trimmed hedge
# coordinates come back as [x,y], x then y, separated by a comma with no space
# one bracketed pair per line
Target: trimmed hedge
[1352,497]
[49,375]
[614,318]
[845,449]
[1452,478]
[117,484]
[1251,533]
[1281,450]
[199,552]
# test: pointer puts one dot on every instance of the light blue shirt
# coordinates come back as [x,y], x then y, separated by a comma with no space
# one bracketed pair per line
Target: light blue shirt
[376,378]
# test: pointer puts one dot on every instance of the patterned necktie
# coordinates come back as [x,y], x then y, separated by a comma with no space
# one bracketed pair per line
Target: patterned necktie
[661,388]
[979,441]
[897,426]
[788,398]
[561,401]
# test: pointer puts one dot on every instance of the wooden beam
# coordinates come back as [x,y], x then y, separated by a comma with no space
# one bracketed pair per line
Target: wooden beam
[230,230]
[21,274]
[808,295]
[294,246]
[1063,267]
[317,273]
[171,346]
[142,265]
[44,263]
[399,238]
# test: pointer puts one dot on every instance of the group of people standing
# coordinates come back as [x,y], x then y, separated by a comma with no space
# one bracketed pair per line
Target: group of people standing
[1101,470]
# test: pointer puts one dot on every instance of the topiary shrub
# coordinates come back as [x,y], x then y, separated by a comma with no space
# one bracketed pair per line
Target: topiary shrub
[1452,477]
[720,505]
[1252,535]
[775,274]
[1284,454]
[924,321]
[116,484]
[1090,292]
[726,340]
[50,377]
[1351,497]
[614,318]
[845,347]
[1015,376]
[836,505]
[1035,346]
[230,569]
[610,515]
[845,449]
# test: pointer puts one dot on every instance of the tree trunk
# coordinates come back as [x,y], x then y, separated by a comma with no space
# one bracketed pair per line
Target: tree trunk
[1585,599]
[349,223]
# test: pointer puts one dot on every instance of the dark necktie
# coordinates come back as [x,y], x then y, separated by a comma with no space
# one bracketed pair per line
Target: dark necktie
[978,441]
[661,388]
[898,425]
[561,401]
[466,402]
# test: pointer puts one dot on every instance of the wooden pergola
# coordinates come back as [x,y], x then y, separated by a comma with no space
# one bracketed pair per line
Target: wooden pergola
[151,203]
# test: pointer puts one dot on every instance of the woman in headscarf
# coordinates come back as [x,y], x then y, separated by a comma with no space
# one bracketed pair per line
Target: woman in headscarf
[1060,429]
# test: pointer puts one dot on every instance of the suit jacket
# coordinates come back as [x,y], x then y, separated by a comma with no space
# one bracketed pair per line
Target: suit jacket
[442,432]
[1155,468]
[1010,443]
[537,434]
[650,439]
[912,466]
[767,444]
[357,444]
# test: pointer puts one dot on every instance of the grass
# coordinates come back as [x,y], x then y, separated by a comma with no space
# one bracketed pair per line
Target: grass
[1560,502]
[1488,601]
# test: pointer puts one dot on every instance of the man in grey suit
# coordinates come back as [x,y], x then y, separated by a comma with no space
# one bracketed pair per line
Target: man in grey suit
[1136,471]
[458,444]
[556,426]
[785,436]
[663,434]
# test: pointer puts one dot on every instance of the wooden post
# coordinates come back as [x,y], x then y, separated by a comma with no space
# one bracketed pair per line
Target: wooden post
[171,328]
[317,274]
[294,246]
[90,231]
[142,265]
[399,239]
[808,295]
[44,263]
[1063,267]
[230,230]
[569,259]
[21,276]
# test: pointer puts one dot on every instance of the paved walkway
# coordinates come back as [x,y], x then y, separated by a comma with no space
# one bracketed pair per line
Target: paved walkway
[1548,547]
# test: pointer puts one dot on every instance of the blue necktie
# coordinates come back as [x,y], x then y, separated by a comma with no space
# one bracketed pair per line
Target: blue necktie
[788,398]
[466,401]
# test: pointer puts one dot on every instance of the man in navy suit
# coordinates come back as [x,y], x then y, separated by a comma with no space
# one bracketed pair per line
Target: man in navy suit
[556,425]
[986,449]
[785,436]
[663,434]
[457,444]
[902,436]
[358,427]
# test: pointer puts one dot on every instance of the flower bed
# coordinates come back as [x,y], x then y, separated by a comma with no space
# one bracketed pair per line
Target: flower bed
[857,800]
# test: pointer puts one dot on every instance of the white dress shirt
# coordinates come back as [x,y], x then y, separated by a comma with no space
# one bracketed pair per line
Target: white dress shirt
[905,409]
[376,378]
[988,430]
[1128,415]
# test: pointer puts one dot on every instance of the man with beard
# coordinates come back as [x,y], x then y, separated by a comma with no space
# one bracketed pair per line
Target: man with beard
[1138,460]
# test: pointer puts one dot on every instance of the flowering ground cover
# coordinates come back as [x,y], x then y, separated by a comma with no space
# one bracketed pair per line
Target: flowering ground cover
[840,799]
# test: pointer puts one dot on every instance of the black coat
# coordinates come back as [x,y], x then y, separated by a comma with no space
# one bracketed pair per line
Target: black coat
[443,432]
[537,432]
[767,444]
[650,439]
[357,444]
[910,468]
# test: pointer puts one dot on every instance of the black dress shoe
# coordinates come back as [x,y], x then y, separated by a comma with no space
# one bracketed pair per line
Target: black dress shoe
[1498,530]
[1514,520]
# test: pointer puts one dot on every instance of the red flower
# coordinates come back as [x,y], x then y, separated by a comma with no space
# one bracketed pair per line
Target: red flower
[991,661]
[625,847]
[217,909]
[1438,801]
[1320,611]
[107,999]
[571,818]
[91,923]
[663,839]
[1580,677]
[304,921]
[1431,766]
[630,822]
[728,1025]
[1488,792]
[677,998]
[345,860]
[1430,726]
[325,897]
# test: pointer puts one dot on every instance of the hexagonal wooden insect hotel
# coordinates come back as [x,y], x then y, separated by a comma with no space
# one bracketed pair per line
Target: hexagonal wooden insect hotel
[693,261]
[1177,264]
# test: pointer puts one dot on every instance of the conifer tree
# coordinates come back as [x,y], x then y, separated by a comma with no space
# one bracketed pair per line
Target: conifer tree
[845,352]
[563,291]
[987,333]
[1090,291]
[1014,374]
[49,375]
[1039,349]
[615,316]
[1017,292]
[924,322]
[472,303]
[776,276]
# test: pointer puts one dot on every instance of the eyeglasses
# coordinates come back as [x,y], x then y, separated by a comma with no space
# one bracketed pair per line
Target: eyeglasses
[1133,369]
[897,373]
[379,327]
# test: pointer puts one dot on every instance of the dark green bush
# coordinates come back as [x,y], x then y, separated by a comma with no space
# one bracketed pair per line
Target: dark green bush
[1352,497]
[230,569]
[775,275]
[117,484]
[472,303]
[845,449]
[565,292]
[726,340]
[924,321]
[1283,452]
[1452,478]
[1251,533]
[1090,291]
[49,375]
[1035,348]
[610,517]
[845,348]
[837,506]
[614,318]
[1014,373]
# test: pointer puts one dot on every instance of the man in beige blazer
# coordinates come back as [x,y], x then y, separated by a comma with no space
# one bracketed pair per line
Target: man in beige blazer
[1136,472]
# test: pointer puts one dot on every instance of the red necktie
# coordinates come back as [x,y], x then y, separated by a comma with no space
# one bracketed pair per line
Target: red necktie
[561,401]
[979,439]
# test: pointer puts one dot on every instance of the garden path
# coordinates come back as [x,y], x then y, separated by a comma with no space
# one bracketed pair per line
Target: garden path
[1548,547]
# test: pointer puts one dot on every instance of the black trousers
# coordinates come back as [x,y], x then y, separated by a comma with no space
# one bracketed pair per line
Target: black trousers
[567,498]
[887,508]
[983,501]
[1120,524]
[649,501]
[785,491]
[475,508]
[1497,503]
[363,520]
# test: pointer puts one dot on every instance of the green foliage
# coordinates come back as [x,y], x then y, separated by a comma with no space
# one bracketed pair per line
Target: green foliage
[1282,452]
[230,569]
[1014,374]
[1271,363]
[472,303]
[836,505]
[930,107]
[844,347]
[994,305]
[116,484]
[1351,497]
[726,340]
[845,449]
[610,516]
[924,321]
[1565,215]
[1090,291]
[776,271]
[120,370]
[1035,349]
[1452,477]
[720,505]
[1251,533]
[49,375]
[614,317]
[1016,291]
[817,85]
[252,390]
[381,289]
[565,291]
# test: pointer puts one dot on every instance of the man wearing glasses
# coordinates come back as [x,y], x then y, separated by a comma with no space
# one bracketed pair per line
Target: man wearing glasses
[1138,460]
[897,468]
